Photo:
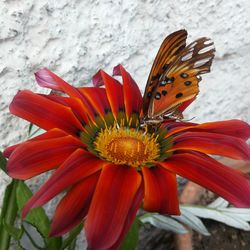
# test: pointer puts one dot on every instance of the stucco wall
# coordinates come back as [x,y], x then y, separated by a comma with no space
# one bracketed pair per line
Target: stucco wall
[76,38]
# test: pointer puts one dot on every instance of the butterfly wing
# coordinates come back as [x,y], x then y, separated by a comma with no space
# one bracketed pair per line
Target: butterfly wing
[179,83]
[167,54]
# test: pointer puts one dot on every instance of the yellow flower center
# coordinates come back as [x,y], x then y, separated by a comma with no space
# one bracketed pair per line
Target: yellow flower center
[127,146]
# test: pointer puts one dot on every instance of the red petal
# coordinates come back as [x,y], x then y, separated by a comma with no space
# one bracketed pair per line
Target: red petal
[185,104]
[228,183]
[111,205]
[9,150]
[172,125]
[48,79]
[77,167]
[97,79]
[160,191]
[211,143]
[130,217]
[114,92]
[74,206]
[43,112]
[77,107]
[53,133]
[132,94]
[37,156]
[98,99]
[234,128]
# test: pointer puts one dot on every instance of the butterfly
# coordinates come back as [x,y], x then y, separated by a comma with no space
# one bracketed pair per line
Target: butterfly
[173,82]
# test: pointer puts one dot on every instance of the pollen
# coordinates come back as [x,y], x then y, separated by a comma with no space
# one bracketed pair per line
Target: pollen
[127,146]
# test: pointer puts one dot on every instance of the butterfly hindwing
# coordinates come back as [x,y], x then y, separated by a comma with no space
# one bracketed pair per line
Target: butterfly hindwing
[179,82]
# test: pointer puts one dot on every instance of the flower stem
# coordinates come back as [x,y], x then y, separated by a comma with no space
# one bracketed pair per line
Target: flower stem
[8,214]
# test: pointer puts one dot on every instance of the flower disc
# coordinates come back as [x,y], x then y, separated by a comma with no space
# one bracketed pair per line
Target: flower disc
[127,146]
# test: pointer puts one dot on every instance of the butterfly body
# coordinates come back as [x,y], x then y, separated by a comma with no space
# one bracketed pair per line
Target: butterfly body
[173,80]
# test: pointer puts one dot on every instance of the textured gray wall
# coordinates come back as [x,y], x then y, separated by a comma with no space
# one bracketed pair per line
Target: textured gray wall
[76,38]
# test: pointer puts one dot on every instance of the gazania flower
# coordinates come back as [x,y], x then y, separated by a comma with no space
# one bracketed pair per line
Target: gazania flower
[109,164]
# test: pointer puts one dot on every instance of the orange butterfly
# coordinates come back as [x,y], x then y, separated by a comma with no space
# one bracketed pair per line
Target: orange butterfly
[173,80]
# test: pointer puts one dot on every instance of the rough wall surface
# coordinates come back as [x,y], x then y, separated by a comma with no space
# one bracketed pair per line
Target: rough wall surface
[76,38]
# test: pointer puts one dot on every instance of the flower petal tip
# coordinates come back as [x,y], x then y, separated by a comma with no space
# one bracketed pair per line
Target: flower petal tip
[7,151]
[41,71]
[97,79]
[25,212]
[43,77]
[14,171]
[117,70]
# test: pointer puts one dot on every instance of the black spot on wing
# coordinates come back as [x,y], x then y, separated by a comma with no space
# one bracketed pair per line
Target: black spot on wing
[179,95]
[188,83]
[164,92]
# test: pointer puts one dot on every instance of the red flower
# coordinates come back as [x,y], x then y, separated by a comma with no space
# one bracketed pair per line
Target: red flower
[109,164]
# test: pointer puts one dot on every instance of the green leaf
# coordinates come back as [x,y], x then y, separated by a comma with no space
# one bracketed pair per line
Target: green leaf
[54,243]
[8,214]
[130,242]
[3,162]
[72,246]
[33,130]
[19,248]
[70,240]
[13,231]
[30,128]
[36,217]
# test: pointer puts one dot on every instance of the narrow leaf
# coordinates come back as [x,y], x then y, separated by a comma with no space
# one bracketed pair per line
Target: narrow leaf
[164,222]
[72,245]
[8,214]
[3,162]
[72,236]
[54,243]
[192,221]
[209,213]
[218,203]
[19,248]
[130,241]
[242,213]
[34,130]
[37,216]
[15,232]
[30,128]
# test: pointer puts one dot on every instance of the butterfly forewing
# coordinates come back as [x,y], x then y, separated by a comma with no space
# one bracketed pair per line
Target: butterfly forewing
[179,82]
[167,54]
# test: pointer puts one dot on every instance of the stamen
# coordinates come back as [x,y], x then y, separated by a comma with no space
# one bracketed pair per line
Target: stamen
[130,122]
[123,141]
